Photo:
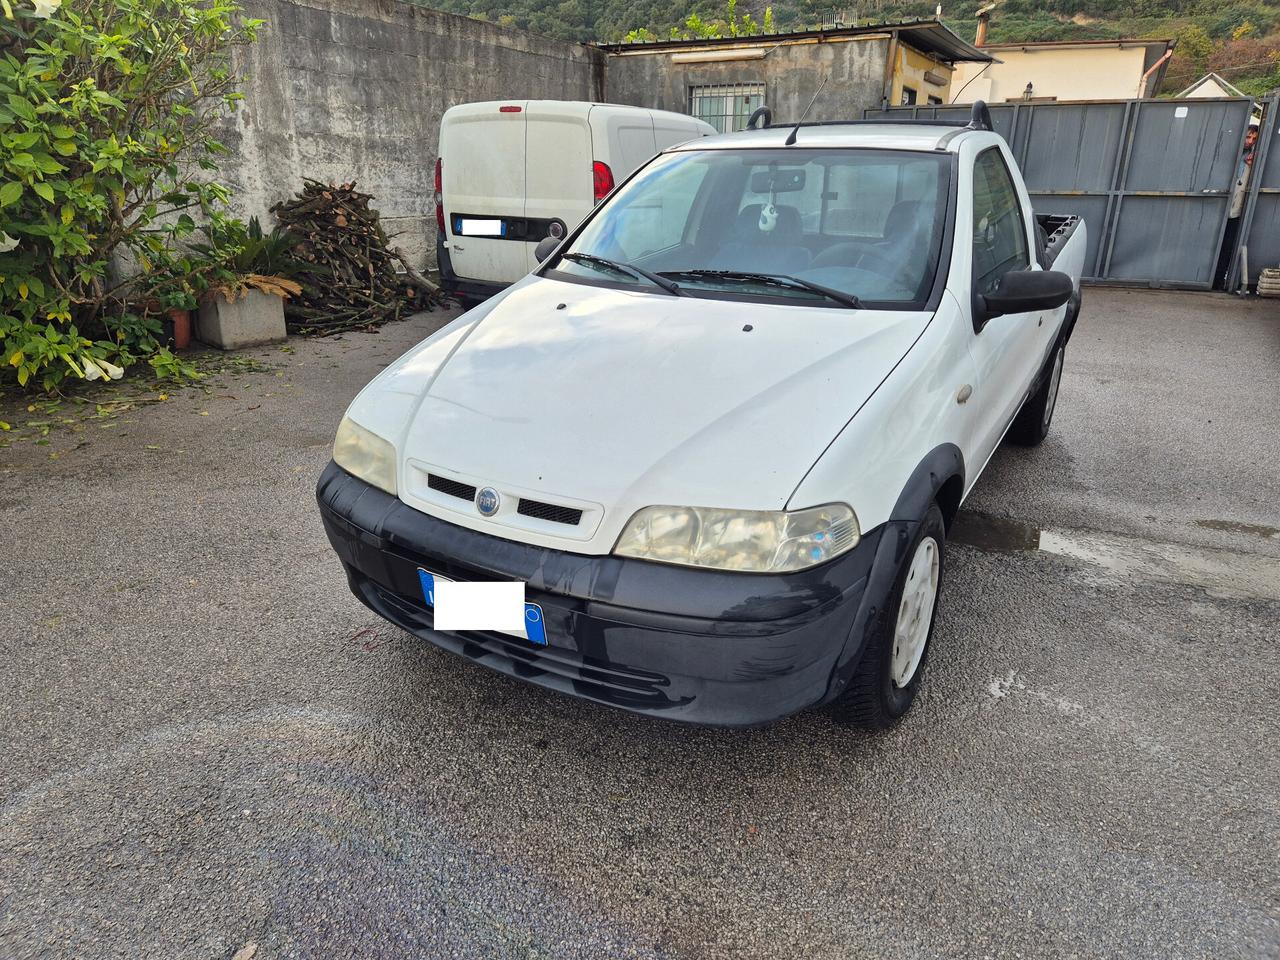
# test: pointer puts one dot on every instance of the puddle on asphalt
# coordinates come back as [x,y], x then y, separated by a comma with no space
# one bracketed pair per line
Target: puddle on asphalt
[1222,573]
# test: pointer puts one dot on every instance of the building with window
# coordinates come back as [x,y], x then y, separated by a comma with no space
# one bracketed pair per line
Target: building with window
[1064,70]
[723,81]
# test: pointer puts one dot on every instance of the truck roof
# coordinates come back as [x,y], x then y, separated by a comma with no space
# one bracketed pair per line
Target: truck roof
[867,134]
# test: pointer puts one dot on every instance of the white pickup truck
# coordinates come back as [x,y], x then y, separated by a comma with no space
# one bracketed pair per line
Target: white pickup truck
[720,432]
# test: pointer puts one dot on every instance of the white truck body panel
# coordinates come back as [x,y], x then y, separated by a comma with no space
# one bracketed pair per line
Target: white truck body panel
[612,400]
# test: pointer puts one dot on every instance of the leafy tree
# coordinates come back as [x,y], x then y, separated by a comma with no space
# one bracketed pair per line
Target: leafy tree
[108,114]
[1194,44]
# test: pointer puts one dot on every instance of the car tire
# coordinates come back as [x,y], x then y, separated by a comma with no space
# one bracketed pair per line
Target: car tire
[1031,425]
[887,678]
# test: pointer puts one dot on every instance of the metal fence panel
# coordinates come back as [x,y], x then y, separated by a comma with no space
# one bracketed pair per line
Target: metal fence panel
[1166,240]
[1073,147]
[1176,190]
[1151,179]
[1187,146]
[1070,155]
[1261,224]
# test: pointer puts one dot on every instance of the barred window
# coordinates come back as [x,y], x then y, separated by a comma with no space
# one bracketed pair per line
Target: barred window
[726,106]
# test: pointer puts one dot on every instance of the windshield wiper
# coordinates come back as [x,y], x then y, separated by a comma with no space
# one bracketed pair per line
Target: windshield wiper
[773,279]
[590,259]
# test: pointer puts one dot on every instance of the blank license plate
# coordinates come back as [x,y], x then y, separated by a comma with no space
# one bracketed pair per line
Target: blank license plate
[481,228]
[535,630]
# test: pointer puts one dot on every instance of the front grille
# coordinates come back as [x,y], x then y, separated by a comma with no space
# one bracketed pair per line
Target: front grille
[454,488]
[549,511]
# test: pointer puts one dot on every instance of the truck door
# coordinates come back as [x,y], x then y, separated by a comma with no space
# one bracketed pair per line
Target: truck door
[1006,350]
[482,157]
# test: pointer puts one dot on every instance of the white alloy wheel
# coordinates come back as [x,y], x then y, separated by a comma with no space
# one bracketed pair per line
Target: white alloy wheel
[915,613]
[1054,378]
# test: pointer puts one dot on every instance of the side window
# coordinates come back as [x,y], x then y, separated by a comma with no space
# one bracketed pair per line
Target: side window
[999,233]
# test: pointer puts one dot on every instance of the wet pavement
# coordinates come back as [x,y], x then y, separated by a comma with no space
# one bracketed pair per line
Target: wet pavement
[210,747]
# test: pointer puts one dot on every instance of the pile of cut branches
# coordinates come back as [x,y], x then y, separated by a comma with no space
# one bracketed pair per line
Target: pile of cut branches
[344,264]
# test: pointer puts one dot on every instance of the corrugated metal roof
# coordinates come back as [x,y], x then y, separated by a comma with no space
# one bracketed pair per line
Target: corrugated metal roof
[927,36]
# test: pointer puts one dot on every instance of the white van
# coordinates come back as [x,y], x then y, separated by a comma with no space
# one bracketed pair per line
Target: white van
[513,172]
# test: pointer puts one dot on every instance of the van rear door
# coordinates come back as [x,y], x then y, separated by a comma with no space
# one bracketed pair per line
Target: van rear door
[557,169]
[482,153]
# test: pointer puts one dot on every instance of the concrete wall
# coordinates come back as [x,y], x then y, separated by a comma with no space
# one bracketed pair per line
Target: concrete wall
[339,91]
[791,72]
[1082,73]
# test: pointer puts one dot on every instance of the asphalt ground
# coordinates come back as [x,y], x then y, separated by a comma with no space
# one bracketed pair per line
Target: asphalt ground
[208,747]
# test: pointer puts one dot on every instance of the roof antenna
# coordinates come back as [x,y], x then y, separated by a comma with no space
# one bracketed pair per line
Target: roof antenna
[791,137]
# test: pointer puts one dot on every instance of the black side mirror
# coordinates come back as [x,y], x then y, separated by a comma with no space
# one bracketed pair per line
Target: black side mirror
[545,247]
[1024,291]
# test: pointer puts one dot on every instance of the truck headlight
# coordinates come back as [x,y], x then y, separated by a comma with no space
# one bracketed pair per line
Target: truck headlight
[366,455]
[750,541]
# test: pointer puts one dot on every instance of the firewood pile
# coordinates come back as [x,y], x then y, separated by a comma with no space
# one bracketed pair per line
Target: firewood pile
[344,264]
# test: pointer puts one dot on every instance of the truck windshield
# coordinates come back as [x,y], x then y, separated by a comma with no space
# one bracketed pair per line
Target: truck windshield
[840,228]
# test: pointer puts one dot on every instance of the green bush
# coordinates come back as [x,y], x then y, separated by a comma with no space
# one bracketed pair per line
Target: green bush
[108,110]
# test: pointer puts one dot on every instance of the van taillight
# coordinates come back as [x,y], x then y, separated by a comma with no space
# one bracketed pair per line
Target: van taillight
[508,109]
[439,196]
[601,179]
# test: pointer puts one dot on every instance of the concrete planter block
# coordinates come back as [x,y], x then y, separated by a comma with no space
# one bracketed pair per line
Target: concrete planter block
[254,319]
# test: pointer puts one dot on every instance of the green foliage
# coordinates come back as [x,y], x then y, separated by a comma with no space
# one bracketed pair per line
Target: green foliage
[239,256]
[236,249]
[107,116]
[1194,44]
[169,366]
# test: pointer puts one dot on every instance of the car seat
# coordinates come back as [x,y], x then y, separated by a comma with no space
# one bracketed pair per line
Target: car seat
[752,250]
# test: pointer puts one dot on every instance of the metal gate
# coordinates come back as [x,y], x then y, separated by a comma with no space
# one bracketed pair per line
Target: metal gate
[1260,228]
[1151,178]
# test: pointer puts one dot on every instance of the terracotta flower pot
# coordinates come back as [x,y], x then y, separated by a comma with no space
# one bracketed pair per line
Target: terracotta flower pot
[181,320]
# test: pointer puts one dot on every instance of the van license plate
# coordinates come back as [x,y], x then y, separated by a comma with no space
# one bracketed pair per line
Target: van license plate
[535,630]
[481,228]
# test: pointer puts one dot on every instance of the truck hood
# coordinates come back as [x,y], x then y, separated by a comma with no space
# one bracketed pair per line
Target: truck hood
[609,400]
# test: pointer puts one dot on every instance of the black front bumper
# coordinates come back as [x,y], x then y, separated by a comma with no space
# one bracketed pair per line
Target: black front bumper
[695,645]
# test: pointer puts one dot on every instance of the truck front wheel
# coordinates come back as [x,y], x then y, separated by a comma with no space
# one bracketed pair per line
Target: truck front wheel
[887,678]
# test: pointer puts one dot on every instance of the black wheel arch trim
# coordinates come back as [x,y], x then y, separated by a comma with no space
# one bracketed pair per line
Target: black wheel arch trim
[939,475]
[941,465]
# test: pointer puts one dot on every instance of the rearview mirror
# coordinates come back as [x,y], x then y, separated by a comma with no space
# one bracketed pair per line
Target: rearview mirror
[1025,291]
[775,180]
[545,247]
